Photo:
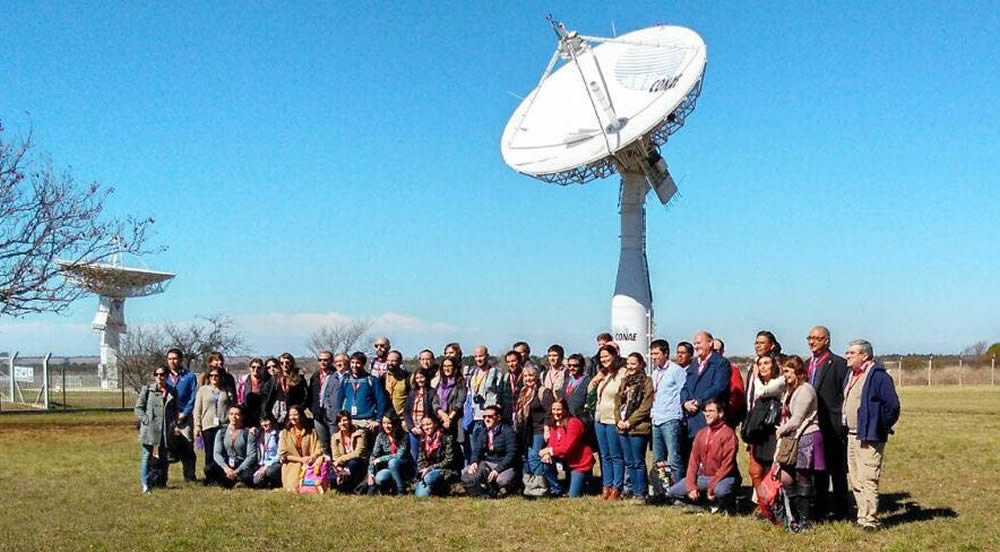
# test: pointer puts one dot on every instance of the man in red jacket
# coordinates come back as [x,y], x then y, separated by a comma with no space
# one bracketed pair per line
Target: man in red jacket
[712,469]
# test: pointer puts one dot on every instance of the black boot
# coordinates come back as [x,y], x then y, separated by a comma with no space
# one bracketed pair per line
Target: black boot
[790,507]
[804,506]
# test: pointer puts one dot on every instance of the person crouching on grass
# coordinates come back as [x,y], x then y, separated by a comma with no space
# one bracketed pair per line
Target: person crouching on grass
[712,468]
[268,474]
[235,452]
[298,446]
[349,452]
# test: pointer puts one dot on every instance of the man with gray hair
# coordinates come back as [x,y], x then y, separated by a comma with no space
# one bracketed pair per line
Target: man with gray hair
[871,408]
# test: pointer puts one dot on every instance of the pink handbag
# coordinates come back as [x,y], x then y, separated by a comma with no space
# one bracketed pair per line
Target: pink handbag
[315,478]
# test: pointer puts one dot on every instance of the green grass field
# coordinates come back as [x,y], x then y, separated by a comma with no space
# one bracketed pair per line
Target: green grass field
[70,483]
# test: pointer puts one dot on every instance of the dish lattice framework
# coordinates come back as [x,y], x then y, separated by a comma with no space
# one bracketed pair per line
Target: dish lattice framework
[606,166]
[110,280]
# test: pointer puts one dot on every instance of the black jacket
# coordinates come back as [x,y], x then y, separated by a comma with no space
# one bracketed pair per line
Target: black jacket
[828,381]
[429,394]
[504,452]
[578,398]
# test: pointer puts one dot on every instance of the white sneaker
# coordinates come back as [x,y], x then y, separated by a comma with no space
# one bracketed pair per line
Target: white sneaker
[145,489]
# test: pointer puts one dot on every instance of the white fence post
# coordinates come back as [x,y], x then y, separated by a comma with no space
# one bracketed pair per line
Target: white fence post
[993,368]
[10,375]
[930,362]
[959,370]
[45,380]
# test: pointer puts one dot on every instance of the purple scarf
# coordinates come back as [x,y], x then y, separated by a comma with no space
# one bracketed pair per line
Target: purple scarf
[445,387]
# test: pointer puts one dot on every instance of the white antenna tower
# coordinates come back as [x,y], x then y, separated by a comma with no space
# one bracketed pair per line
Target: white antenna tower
[113,282]
[609,108]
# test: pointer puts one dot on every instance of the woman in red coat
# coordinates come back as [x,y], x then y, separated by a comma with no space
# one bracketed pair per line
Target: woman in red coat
[568,444]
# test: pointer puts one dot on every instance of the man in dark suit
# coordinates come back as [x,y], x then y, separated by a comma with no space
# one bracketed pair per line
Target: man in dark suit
[826,374]
[317,384]
[707,378]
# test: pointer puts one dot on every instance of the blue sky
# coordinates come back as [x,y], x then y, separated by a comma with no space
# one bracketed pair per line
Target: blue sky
[309,162]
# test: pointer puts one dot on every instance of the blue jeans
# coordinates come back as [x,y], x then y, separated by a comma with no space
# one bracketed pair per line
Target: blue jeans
[470,437]
[414,448]
[152,470]
[393,473]
[612,466]
[723,488]
[433,483]
[634,447]
[577,482]
[667,446]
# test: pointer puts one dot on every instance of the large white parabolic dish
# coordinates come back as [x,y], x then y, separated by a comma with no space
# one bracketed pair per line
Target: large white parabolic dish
[563,126]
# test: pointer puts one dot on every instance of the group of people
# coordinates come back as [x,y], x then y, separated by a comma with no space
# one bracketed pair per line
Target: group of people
[813,429]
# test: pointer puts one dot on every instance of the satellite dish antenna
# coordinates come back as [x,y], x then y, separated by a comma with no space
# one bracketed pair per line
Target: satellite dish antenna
[609,108]
[113,283]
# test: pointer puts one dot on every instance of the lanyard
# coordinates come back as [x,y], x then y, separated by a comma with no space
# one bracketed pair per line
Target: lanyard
[662,373]
[572,385]
[814,366]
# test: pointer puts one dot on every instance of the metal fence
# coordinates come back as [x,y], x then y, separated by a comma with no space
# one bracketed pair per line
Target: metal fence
[54,384]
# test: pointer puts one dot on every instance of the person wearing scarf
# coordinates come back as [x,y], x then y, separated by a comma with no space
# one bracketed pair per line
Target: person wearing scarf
[349,451]
[436,466]
[298,446]
[530,414]
[390,458]
[633,405]
[250,393]
[419,403]
[449,399]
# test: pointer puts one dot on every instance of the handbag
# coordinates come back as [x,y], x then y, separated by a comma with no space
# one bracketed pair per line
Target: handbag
[768,492]
[788,447]
[315,478]
[535,485]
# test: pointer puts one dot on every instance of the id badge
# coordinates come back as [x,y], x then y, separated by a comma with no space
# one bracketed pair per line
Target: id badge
[215,420]
[232,463]
[354,410]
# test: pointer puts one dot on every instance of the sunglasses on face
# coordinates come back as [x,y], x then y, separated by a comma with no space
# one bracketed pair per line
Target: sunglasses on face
[574,365]
[160,374]
[213,375]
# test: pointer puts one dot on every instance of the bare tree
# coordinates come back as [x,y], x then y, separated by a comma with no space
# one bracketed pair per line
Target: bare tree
[976,350]
[341,337]
[141,350]
[45,216]
[144,347]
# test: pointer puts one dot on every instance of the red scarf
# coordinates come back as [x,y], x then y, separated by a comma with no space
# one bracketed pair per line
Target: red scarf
[432,444]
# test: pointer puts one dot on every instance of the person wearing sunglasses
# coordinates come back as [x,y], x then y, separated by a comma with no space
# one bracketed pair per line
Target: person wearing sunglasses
[380,363]
[493,465]
[156,412]
[288,390]
[251,393]
[210,407]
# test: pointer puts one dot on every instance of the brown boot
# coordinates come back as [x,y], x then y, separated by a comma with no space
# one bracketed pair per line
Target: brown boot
[616,494]
[605,493]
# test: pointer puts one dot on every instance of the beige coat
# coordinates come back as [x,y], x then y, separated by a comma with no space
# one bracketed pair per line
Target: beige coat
[286,446]
[205,417]
[358,442]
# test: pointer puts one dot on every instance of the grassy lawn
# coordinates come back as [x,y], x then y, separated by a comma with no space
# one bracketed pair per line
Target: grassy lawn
[70,483]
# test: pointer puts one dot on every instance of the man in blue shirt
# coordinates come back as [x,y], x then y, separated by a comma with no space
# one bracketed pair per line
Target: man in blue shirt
[184,385]
[707,378]
[667,413]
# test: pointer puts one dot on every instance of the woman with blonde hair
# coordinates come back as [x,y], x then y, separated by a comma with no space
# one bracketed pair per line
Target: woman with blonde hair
[530,414]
